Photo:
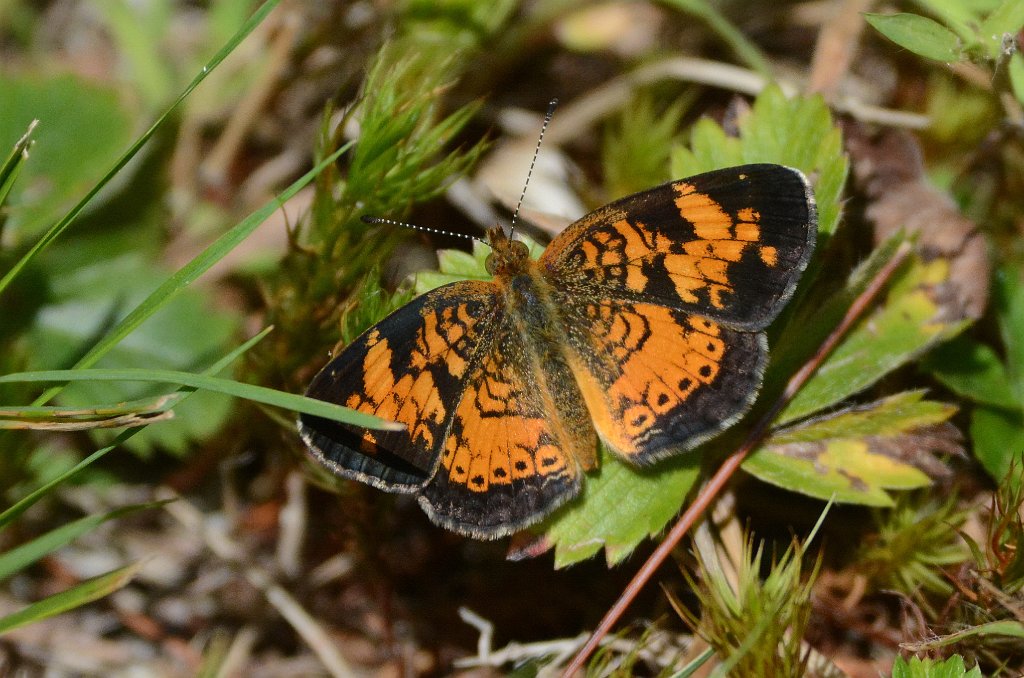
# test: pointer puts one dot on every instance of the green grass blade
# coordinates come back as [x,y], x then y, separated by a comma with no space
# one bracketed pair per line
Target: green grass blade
[31,498]
[259,394]
[188,273]
[24,555]
[11,168]
[57,229]
[76,596]
[733,37]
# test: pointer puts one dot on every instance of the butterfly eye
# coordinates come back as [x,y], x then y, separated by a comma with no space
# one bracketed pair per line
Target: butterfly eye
[491,264]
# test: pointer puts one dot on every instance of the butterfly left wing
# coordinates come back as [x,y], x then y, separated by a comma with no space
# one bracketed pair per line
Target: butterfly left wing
[408,368]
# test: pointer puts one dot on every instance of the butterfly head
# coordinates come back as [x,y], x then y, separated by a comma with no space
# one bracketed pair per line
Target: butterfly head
[508,257]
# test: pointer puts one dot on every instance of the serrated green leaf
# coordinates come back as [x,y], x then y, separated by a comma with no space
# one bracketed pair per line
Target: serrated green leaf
[920,35]
[1016,68]
[797,132]
[621,506]
[76,596]
[953,667]
[903,327]
[846,456]
[972,370]
[998,437]
[455,265]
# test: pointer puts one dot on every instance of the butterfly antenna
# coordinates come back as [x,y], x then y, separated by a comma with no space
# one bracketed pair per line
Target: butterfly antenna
[547,119]
[381,220]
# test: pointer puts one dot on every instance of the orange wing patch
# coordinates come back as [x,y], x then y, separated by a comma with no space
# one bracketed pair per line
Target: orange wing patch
[648,373]
[507,449]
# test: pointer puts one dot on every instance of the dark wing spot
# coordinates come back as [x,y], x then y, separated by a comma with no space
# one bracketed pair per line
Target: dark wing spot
[478,481]
[548,461]
[520,465]
[663,398]
[705,371]
[500,472]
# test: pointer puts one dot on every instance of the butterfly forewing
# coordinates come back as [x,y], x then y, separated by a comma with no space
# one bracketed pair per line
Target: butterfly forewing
[409,368]
[728,245]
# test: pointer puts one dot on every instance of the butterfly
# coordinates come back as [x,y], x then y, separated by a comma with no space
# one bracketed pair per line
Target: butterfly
[641,327]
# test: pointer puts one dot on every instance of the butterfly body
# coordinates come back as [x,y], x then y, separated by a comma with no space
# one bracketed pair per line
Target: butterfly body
[640,326]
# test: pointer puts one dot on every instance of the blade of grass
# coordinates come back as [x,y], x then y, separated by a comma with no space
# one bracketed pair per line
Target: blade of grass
[31,498]
[24,555]
[733,37]
[259,394]
[158,403]
[76,596]
[188,273]
[57,229]
[11,168]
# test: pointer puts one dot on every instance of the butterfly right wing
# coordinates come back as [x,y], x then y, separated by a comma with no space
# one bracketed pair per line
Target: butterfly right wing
[409,368]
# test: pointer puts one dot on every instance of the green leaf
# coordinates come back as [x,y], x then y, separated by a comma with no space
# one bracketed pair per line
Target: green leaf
[76,596]
[797,132]
[14,560]
[96,281]
[1008,302]
[903,327]
[1016,68]
[82,126]
[455,265]
[259,394]
[621,506]
[58,228]
[920,35]
[851,456]
[953,667]
[972,370]
[998,437]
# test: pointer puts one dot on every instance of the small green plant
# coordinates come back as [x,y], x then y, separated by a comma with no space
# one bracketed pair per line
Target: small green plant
[916,539]
[964,32]
[916,667]
[755,625]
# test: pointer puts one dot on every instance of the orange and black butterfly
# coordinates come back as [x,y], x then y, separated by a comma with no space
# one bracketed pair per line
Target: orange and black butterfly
[641,326]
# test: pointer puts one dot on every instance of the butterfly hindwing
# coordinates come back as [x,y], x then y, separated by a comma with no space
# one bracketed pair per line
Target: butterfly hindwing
[658,381]
[511,454]
[729,245]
